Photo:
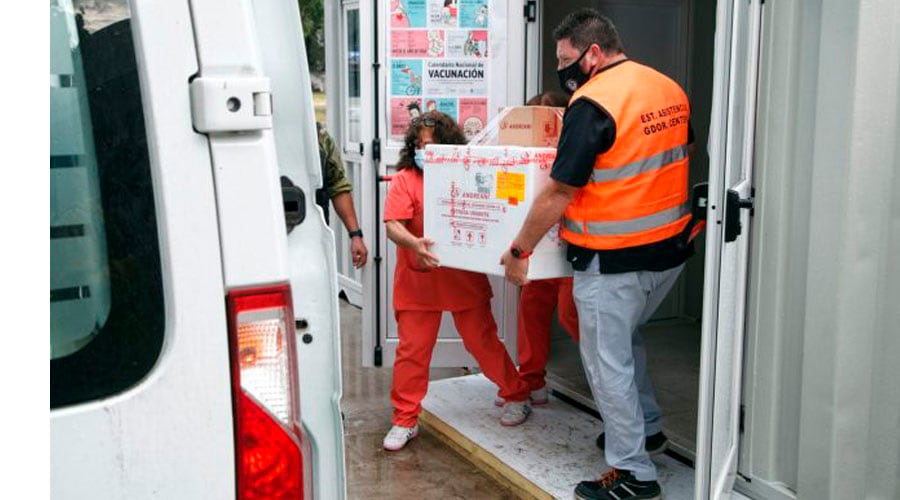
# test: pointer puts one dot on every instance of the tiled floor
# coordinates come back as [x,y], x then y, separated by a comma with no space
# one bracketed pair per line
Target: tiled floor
[427,468]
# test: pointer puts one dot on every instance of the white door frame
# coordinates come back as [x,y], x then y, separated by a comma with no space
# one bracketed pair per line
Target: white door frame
[355,149]
[731,145]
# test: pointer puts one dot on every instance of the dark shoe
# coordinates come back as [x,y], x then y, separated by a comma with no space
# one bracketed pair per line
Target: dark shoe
[654,444]
[618,485]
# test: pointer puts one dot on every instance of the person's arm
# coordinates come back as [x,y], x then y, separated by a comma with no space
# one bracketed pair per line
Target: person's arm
[339,190]
[397,232]
[343,205]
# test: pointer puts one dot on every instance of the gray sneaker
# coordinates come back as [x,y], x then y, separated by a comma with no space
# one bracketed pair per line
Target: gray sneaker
[618,485]
[514,413]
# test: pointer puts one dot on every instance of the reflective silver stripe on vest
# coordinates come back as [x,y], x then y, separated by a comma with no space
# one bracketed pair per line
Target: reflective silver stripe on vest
[655,162]
[629,226]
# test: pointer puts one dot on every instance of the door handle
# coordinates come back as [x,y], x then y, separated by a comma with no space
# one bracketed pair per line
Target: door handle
[733,205]
[294,200]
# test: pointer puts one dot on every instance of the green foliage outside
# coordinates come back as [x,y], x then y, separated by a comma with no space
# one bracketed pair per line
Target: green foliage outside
[312,12]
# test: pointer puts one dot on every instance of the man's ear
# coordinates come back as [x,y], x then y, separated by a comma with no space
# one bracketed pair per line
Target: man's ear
[594,58]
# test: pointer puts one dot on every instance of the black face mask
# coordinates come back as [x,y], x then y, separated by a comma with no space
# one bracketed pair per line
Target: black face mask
[571,77]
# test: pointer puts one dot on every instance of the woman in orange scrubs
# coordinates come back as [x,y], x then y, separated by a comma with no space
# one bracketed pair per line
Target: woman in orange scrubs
[423,290]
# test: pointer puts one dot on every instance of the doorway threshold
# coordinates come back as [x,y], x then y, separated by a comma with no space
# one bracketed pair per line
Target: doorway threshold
[544,458]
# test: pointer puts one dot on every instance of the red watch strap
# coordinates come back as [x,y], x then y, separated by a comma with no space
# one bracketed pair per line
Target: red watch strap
[518,253]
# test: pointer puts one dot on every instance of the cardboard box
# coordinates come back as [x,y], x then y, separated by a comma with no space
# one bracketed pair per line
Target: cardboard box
[476,200]
[530,126]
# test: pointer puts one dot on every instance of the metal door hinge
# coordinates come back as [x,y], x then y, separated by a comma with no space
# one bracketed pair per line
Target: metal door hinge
[741,420]
[231,104]
[530,11]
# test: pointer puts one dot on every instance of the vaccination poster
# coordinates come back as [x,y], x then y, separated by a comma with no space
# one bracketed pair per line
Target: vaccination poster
[439,59]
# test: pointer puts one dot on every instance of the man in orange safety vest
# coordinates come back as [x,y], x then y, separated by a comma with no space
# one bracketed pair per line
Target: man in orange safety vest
[620,184]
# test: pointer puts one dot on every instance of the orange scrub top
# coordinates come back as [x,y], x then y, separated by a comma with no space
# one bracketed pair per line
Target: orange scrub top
[441,288]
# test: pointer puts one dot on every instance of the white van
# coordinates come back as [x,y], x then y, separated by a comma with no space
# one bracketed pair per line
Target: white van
[194,325]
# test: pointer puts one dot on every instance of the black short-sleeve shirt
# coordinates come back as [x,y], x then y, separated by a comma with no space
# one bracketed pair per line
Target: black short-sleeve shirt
[589,131]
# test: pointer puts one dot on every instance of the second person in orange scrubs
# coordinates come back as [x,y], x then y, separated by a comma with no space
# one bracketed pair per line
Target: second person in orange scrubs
[537,302]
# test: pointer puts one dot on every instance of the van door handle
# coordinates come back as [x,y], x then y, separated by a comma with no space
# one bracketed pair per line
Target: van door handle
[294,200]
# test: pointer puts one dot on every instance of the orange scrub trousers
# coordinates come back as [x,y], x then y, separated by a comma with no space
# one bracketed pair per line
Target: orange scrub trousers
[421,296]
[536,304]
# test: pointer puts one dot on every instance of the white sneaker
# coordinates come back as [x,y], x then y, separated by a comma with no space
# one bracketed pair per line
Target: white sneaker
[539,397]
[398,436]
[514,413]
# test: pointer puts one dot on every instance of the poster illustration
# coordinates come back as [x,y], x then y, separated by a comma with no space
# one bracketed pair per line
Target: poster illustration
[408,13]
[417,43]
[406,77]
[402,114]
[445,78]
[473,13]
[467,43]
[448,106]
[443,13]
[472,115]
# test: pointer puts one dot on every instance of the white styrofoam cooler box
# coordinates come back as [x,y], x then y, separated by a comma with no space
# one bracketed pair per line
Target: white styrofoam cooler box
[476,200]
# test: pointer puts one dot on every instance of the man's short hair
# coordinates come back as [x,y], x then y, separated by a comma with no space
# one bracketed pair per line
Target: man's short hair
[585,27]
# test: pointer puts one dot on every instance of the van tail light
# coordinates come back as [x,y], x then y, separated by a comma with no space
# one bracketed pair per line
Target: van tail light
[269,441]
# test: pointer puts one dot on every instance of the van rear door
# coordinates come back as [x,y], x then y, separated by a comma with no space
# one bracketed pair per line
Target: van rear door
[239,38]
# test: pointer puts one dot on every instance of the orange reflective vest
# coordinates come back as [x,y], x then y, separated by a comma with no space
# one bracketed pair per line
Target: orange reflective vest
[638,192]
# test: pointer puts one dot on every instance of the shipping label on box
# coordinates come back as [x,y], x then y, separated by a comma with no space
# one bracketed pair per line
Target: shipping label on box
[530,126]
[476,200]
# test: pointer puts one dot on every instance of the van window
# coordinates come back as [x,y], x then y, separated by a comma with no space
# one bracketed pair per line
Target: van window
[106,301]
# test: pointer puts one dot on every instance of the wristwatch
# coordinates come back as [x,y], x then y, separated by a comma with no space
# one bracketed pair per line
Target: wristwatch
[518,252]
[358,232]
